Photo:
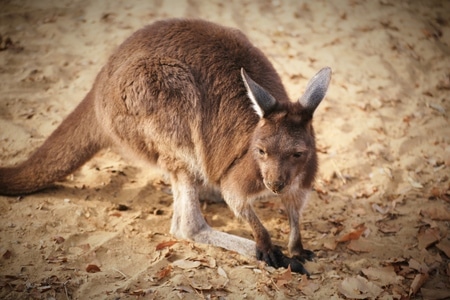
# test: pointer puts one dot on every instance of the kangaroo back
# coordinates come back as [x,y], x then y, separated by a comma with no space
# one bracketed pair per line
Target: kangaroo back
[75,141]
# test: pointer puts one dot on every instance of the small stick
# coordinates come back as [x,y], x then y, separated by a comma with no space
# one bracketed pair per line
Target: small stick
[65,289]
[125,276]
[338,172]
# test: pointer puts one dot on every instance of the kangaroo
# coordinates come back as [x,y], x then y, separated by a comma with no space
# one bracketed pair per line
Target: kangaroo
[201,102]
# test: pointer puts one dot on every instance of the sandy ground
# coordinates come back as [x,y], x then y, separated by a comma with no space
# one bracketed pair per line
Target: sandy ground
[378,219]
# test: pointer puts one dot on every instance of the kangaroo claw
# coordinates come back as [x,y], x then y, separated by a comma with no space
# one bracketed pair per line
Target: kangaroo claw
[275,258]
[305,255]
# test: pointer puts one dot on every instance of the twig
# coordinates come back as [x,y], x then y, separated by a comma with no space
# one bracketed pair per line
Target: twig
[65,289]
[118,271]
[338,172]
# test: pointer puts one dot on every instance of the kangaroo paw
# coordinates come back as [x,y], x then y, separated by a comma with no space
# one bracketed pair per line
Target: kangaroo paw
[305,255]
[275,258]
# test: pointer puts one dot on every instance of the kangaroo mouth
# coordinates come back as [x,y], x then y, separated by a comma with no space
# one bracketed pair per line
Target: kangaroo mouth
[277,187]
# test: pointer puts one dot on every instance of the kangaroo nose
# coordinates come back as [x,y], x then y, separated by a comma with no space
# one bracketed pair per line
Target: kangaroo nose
[276,186]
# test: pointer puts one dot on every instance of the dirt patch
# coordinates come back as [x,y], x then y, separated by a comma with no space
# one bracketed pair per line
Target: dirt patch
[378,219]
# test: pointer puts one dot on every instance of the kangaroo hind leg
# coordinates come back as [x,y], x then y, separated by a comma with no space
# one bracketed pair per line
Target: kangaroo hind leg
[188,221]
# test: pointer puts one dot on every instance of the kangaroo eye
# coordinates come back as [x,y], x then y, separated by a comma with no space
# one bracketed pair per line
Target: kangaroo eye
[261,151]
[297,154]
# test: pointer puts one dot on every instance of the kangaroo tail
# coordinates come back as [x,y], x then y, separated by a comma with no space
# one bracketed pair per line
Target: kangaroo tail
[74,142]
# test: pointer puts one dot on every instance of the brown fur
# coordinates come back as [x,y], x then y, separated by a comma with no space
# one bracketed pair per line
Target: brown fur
[174,94]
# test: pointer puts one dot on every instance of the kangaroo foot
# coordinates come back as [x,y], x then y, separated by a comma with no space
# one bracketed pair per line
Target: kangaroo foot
[305,255]
[275,258]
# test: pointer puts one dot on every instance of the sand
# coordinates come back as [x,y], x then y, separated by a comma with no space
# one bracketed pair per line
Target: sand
[378,219]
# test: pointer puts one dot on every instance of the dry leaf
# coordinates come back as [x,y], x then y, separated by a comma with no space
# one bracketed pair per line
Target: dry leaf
[354,235]
[6,254]
[207,262]
[58,239]
[418,281]
[308,287]
[142,292]
[222,272]
[330,243]
[164,272]
[284,278]
[381,210]
[385,275]
[359,288]
[91,268]
[165,245]
[386,227]
[360,245]
[415,184]
[200,285]
[435,294]
[437,192]
[186,264]
[427,237]
[444,246]
[84,247]
[436,213]
[420,267]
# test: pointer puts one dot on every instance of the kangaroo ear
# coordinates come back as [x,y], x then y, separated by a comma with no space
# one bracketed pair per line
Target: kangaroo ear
[263,101]
[315,90]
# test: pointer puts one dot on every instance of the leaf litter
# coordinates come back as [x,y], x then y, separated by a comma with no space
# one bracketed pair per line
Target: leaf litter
[402,247]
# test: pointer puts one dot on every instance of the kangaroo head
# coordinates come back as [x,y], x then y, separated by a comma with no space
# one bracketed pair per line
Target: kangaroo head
[283,142]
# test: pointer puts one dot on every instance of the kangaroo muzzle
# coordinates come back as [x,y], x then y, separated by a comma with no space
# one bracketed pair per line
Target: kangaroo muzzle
[275,186]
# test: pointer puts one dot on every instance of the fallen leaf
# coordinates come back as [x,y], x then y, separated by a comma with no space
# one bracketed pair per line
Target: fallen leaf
[417,283]
[354,235]
[385,275]
[360,245]
[436,213]
[427,237]
[284,278]
[308,287]
[141,292]
[437,107]
[91,268]
[84,247]
[414,183]
[330,243]
[6,254]
[164,272]
[444,246]
[207,262]
[420,267]
[381,210]
[186,264]
[202,286]
[222,272]
[359,288]
[440,193]
[435,294]
[165,245]
[386,227]
[58,239]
